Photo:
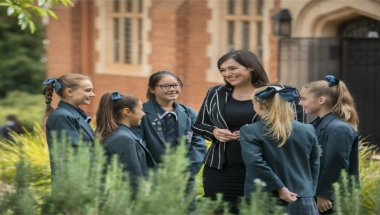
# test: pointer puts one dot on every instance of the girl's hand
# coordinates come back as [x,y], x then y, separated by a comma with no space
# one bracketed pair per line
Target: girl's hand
[323,204]
[224,135]
[286,195]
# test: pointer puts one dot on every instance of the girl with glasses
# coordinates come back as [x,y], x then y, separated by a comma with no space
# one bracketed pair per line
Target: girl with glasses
[166,122]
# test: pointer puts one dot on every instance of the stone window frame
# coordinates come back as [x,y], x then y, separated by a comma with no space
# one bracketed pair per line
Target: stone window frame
[218,27]
[106,46]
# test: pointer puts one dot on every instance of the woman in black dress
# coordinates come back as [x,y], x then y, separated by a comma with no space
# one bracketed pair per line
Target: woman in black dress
[225,109]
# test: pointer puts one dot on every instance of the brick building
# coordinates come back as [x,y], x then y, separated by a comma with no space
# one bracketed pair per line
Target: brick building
[119,43]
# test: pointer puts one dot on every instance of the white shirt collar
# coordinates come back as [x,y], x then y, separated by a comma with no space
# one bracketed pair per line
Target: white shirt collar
[166,113]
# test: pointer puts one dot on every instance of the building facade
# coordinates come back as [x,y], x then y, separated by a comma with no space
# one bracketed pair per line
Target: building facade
[119,43]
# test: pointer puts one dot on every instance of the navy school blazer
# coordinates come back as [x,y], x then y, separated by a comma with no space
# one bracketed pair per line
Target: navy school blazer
[294,165]
[338,145]
[154,139]
[211,116]
[132,153]
[66,118]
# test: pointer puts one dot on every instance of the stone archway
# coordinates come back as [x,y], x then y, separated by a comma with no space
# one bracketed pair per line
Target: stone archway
[322,18]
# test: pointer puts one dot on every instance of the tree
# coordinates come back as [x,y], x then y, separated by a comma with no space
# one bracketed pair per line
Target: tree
[22,9]
[21,65]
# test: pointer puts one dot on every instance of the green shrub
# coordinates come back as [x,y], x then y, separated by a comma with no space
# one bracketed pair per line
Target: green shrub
[80,188]
[369,170]
[27,107]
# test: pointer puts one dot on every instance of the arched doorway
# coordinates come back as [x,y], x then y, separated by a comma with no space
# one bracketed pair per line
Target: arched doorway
[360,68]
[353,55]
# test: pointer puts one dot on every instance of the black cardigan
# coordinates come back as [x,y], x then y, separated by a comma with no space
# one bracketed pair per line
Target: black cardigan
[211,116]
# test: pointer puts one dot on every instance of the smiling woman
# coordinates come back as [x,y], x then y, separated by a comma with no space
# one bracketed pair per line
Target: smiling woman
[68,121]
[225,109]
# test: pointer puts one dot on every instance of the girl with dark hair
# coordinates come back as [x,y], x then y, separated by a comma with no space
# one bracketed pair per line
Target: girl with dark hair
[68,119]
[336,127]
[281,152]
[116,114]
[224,110]
[12,124]
[167,122]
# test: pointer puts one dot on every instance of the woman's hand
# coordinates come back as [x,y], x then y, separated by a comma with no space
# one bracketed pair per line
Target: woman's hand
[323,204]
[286,195]
[224,135]
[237,133]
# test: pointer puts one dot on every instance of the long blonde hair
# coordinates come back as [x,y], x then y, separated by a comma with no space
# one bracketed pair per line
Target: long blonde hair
[338,97]
[278,121]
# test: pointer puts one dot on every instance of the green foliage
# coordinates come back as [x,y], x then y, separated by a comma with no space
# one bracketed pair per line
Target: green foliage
[32,149]
[347,196]
[28,108]
[25,10]
[81,187]
[261,203]
[369,169]
[21,66]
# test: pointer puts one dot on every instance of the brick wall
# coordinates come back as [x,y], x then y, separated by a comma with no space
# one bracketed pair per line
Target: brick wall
[178,38]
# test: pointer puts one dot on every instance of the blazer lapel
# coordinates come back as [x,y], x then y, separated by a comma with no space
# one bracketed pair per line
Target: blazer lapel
[86,126]
[153,120]
[182,121]
[322,125]
[222,96]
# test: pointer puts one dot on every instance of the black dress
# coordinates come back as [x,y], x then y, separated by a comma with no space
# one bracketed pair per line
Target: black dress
[230,180]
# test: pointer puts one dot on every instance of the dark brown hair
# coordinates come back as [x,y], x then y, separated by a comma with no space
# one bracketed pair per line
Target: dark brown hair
[17,126]
[66,81]
[154,79]
[259,77]
[109,112]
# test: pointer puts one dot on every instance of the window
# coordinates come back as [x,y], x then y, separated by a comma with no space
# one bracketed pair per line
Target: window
[122,46]
[242,19]
[127,31]
[234,24]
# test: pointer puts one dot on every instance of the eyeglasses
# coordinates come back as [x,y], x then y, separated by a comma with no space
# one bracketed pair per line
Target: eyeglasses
[166,87]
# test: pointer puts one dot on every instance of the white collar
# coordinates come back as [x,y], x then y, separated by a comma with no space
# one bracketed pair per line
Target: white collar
[166,113]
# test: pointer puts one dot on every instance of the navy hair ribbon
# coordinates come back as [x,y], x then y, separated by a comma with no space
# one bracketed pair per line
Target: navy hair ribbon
[57,85]
[332,80]
[289,94]
[115,95]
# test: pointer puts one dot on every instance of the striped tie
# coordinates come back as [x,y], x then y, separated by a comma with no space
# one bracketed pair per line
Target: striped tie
[170,129]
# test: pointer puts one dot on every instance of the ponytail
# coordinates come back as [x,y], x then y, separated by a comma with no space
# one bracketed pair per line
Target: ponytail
[48,99]
[278,121]
[338,97]
[345,106]
[109,112]
[106,122]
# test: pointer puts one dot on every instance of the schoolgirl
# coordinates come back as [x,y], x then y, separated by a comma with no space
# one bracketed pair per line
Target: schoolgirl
[68,118]
[116,114]
[336,129]
[280,151]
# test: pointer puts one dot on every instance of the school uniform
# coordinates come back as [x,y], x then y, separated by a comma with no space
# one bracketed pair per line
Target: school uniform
[70,123]
[152,132]
[294,165]
[132,154]
[338,144]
